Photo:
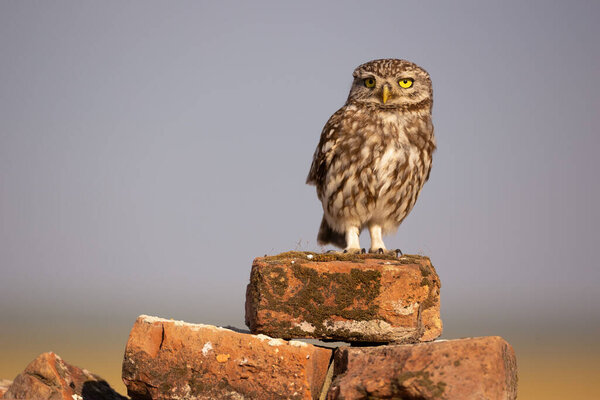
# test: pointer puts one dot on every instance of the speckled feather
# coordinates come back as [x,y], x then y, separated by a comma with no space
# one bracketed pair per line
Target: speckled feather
[373,158]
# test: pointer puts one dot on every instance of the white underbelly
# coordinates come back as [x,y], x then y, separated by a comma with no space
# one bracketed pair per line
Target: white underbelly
[389,182]
[386,168]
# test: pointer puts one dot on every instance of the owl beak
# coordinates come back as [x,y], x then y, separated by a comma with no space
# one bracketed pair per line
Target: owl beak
[386,93]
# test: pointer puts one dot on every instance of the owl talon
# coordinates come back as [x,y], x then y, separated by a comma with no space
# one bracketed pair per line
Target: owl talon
[339,252]
[382,250]
[352,250]
[363,251]
[379,250]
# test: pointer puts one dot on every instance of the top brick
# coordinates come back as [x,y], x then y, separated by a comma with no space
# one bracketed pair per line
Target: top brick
[352,298]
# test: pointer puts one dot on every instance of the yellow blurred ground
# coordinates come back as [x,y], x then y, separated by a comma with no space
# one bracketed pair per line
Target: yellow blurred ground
[565,371]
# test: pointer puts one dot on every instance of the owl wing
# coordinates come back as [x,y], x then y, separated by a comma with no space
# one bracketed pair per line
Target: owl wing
[323,154]
[424,140]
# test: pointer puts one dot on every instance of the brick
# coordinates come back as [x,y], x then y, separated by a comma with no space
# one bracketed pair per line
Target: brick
[4,385]
[48,377]
[167,359]
[351,298]
[473,368]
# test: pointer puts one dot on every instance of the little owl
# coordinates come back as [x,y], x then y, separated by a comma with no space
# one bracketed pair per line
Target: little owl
[374,154]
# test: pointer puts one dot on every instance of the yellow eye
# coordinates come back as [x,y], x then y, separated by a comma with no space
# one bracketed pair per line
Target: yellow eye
[370,82]
[405,83]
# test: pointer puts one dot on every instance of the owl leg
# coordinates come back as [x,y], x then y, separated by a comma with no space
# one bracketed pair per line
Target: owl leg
[377,245]
[352,241]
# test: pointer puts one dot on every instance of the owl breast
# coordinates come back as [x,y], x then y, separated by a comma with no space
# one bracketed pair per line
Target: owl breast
[400,173]
[381,182]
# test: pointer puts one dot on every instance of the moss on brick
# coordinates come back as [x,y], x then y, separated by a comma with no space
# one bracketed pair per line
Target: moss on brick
[351,296]
[320,295]
[328,257]
[278,280]
[423,381]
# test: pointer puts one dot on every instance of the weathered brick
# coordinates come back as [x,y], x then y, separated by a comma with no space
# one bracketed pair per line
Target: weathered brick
[167,359]
[48,377]
[353,298]
[4,385]
[462,369]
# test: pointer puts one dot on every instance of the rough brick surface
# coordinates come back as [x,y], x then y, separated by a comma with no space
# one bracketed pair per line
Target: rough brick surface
[4,384]
[167,359]
[48,377]
[475,368]
[352,298]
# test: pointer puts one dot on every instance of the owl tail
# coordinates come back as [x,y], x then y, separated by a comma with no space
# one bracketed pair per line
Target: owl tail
[328,235]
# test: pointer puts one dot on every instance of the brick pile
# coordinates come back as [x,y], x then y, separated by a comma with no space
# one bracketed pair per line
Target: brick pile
[385,308]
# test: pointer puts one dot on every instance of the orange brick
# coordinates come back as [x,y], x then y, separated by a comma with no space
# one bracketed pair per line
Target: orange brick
[474,368]
[167,359]
[351,298]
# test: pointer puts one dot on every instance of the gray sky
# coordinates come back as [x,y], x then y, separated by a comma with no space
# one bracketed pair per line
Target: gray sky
[150,150]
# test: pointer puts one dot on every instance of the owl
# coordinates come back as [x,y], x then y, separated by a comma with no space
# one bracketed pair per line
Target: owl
[374,154]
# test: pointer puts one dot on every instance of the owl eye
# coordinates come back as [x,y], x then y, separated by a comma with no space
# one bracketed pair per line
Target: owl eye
[370,82]
[405,83]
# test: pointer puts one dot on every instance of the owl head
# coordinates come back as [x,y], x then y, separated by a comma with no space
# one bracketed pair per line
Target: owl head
[391,83]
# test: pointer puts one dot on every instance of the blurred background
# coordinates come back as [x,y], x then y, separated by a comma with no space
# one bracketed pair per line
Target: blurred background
[150,150]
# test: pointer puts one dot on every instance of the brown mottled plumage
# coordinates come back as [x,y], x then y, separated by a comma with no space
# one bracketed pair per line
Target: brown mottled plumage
[374,154]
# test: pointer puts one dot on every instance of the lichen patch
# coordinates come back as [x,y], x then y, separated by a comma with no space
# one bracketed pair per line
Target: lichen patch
[306,326]
[401,309]
[206,348]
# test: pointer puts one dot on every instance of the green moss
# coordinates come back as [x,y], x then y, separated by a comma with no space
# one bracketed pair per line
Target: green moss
[351,296]
[179,372]
[413,259]
[197,386]
[431,300]
[328,257]
[165,387]
[359,286]
[203,386]
[423,380]
[223,384]
[430,279]
[320,295]
[278,280]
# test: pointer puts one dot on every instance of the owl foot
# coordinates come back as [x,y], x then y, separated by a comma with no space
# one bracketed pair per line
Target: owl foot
[397,252]
[347,251]
[381,250]
[353,250]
